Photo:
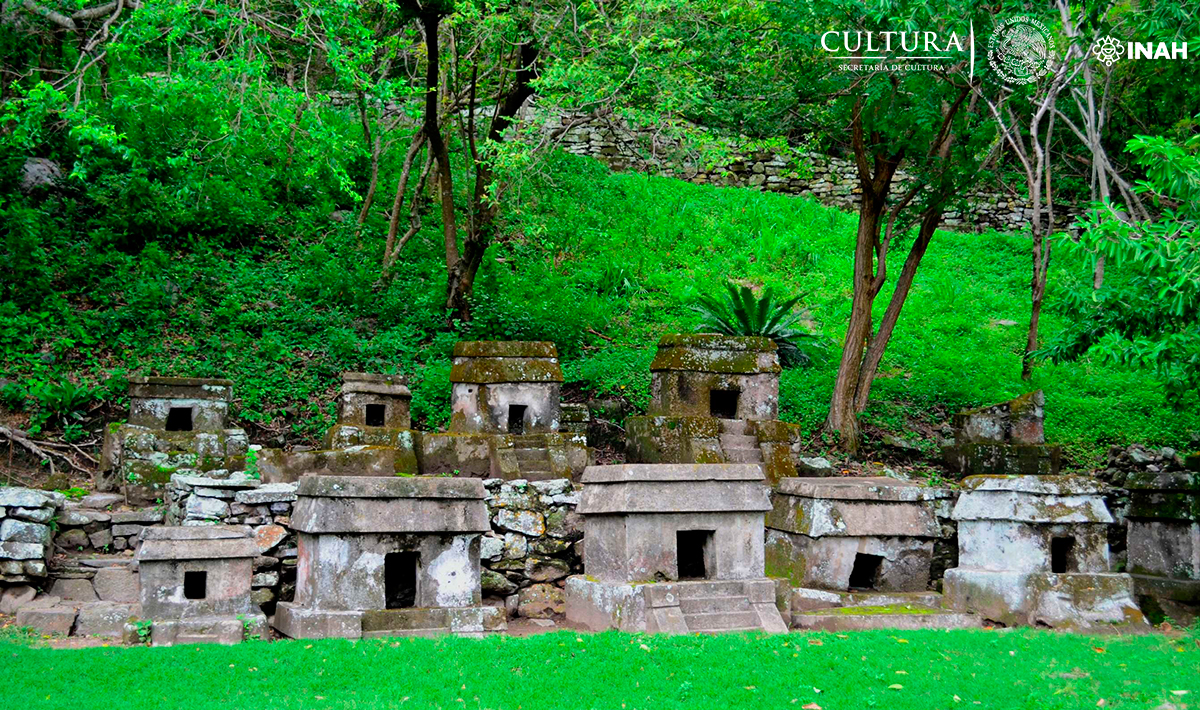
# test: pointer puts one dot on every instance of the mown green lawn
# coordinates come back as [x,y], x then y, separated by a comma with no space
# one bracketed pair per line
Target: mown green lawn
[898,670]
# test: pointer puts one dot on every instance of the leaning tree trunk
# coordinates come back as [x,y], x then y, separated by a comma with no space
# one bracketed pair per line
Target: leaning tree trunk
[843,419]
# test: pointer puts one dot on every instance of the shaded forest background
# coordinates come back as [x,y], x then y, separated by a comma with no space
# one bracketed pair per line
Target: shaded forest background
[252,191]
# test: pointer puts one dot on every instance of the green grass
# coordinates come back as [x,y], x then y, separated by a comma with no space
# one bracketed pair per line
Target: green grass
[602,264]
[928,670]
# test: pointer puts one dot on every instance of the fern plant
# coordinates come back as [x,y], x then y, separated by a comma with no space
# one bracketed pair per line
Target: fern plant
[741,313]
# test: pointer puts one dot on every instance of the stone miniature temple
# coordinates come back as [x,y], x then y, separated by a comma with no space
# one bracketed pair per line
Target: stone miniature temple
[505,420]
[863,534]
[1033,550]
[714,399]
[372,436]
[674,549]
[388,556]
[175,425]
[1163,542]
[195,584]
[1002,439]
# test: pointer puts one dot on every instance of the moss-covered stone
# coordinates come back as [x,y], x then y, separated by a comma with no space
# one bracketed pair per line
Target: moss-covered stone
[505,348]
[720,354]
[492,370]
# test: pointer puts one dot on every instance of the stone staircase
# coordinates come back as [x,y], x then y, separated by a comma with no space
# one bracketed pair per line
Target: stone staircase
[738,446]
[818,610]
[713,607]
[533,458]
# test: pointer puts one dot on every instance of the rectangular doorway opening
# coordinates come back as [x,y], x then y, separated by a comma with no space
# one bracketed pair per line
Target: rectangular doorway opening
[865,574]
[179,419]
[693,552]
[376,414]
[195,585]
[516,418]
[723,404]
[1062,555]
[400,579]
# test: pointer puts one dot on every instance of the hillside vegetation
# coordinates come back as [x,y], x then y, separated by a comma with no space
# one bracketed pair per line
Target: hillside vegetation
[600,263]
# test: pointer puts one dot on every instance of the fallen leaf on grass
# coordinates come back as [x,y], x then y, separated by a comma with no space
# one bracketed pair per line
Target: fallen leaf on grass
[816,642]
[1098,649]
[1101,703]
[895,686]
[811,706]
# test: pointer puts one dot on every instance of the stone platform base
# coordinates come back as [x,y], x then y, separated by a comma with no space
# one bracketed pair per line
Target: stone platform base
[220,630]
[302,623]
[1072,601]
[1163,598]
[820,610]
[867,618]
[675,607]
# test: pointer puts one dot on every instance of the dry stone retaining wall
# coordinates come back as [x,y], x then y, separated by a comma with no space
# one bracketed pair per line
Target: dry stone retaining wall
[833,180]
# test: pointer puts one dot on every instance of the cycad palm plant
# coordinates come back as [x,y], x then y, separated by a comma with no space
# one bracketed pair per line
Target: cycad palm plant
[741,313]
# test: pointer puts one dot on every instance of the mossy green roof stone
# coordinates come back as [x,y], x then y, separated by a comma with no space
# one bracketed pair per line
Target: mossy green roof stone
[710,352]
[505,348]
[374,383]
[380,487]
[491,362]
[180,388]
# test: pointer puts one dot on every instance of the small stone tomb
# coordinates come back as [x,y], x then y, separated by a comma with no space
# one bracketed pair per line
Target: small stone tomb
[674,549]
[195,584]
[1002,439]
[715,399]
[388,557]
[1033,550]
[1163,536]
[860,534]
[175,425]
[372,436]
[506,416]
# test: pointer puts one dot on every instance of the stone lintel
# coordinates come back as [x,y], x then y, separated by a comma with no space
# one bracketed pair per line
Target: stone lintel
[384,487]
[875,489]
[180,388]
[675,472]
[207,542]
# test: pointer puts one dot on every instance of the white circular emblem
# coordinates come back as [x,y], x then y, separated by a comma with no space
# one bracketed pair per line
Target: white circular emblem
[1108,50]
[1020,49]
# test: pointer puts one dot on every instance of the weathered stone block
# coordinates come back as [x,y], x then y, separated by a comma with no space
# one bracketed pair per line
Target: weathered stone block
[49,620]
[541,601]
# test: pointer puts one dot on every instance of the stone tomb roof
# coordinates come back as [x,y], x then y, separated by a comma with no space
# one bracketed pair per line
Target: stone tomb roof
[673,488]
[855,507]
[373,383]
[205,542]
[180,388]
[371,504]
[710,352]
[1033,499]
[490,362]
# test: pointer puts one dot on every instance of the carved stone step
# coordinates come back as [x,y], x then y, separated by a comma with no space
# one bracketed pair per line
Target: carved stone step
[709,605]
[722,621]
[738,441]
[733,426]
[743,455]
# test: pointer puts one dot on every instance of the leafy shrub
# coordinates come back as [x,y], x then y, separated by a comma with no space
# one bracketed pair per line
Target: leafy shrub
[741,313]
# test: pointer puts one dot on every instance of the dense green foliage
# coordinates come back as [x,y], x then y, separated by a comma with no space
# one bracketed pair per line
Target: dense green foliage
[626,264]
[930,670]
[1149,315]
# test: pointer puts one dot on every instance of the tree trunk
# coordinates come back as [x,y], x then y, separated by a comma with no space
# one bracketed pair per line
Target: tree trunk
[879,343]
[842,419]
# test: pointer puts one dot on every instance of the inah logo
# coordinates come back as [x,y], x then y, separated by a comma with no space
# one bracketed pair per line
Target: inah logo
[1020,49]
[1108,50]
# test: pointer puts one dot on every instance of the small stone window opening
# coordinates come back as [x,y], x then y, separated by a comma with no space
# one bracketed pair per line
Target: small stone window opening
[516,418]
[692,547]
[723,404]
[195,585]
[400,579]
[179,419]
[865,573]
[376,414]
[1062,555]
